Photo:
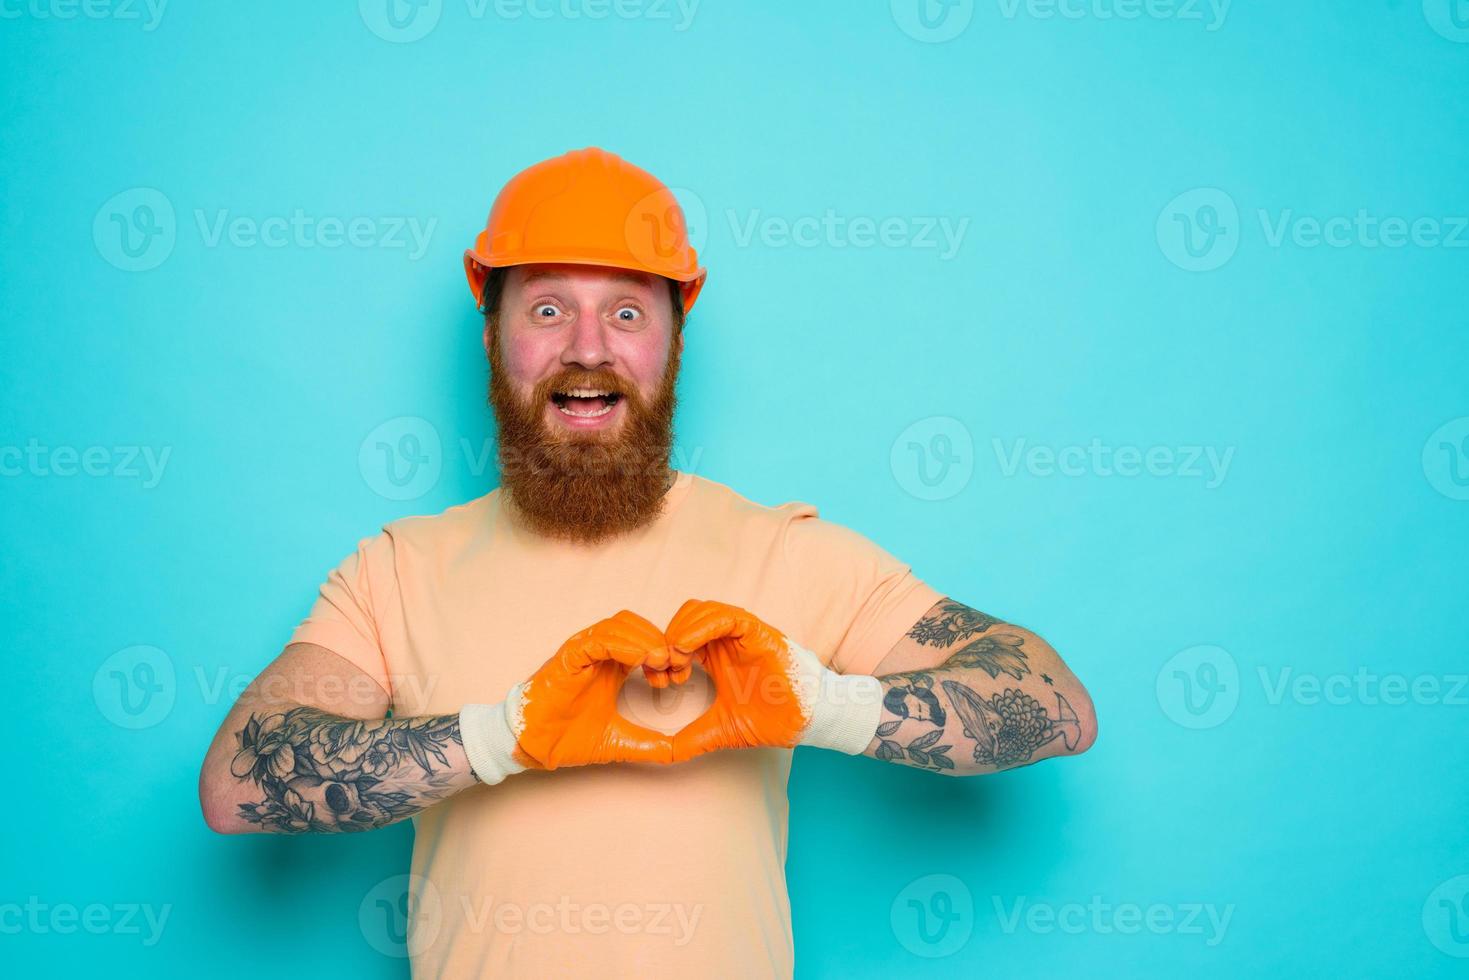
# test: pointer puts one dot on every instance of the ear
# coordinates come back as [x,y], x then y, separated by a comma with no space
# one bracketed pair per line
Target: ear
[489,336]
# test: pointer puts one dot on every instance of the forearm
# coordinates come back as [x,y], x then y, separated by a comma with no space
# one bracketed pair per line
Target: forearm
[299,769]
[1003,699]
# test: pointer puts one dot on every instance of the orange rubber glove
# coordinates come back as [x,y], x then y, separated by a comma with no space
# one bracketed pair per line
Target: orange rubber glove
[566,713]
[769,691]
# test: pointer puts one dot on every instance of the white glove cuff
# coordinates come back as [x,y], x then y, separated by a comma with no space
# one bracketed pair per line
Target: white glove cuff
[489,740]
[845,708]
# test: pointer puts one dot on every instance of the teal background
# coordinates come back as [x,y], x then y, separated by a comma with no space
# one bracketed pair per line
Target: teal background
[1335,542]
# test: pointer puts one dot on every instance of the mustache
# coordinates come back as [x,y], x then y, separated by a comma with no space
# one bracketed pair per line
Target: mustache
[571,378]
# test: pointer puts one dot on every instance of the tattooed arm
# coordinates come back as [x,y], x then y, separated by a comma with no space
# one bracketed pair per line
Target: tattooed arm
[964,693]
[307,748]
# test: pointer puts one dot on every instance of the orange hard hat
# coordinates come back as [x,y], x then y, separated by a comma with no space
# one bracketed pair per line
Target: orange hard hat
[587,207]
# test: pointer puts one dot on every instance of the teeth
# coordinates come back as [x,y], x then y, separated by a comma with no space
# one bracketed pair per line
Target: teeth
[584,415]
[584,392]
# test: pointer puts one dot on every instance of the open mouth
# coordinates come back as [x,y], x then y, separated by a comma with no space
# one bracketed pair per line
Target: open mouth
[585,403]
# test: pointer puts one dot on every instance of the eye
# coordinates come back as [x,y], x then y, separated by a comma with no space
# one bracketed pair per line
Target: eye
[546,310]
[628,314]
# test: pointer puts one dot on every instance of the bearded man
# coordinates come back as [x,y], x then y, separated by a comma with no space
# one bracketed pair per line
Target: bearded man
[584,687]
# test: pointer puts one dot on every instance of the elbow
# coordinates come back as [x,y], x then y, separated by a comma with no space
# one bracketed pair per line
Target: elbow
[1086,722]
[214,808]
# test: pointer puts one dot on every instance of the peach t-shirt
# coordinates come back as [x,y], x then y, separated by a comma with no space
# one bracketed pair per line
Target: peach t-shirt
[620,870]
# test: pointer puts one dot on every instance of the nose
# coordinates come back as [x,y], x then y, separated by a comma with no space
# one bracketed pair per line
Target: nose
[586,343]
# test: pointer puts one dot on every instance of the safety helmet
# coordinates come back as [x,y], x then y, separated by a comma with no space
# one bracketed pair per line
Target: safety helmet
[587,207]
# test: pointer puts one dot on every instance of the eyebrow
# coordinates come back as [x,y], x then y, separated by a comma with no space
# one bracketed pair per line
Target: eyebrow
[625,280]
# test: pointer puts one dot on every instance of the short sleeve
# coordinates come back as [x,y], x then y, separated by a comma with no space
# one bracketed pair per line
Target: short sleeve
[856,600]
[345,616]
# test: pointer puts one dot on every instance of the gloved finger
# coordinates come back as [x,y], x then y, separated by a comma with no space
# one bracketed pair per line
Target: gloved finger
[628,623]
[695,627]
[687,615]
[631,742]
[668,677]
[704,734]
[628,643]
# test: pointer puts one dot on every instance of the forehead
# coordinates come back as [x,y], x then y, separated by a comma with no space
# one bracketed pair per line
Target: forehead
[578,276]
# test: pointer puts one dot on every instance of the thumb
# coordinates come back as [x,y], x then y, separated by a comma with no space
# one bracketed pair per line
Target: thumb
[631,742]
